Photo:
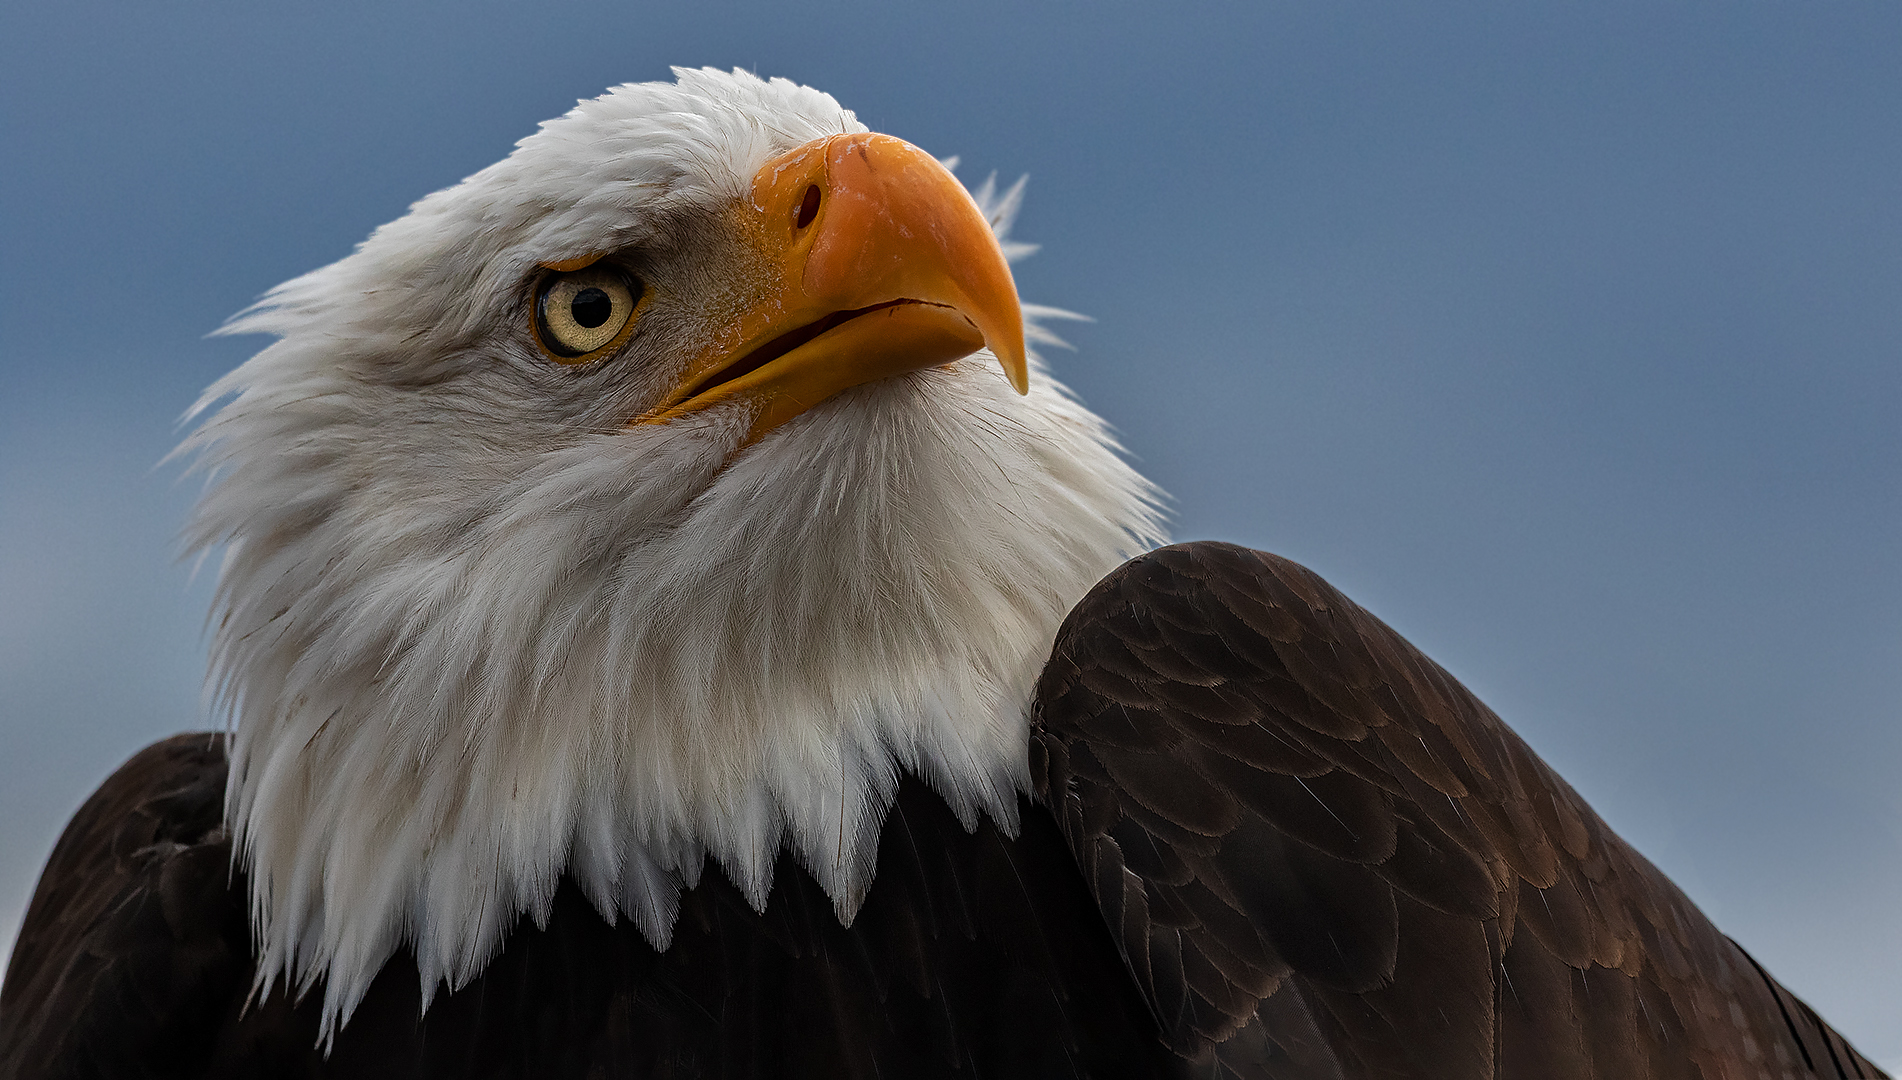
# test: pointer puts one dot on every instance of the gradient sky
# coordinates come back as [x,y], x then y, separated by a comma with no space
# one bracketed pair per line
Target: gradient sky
[1567,338]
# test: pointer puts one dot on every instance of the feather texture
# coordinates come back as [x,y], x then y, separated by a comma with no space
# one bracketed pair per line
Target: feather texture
[1306,836]
[975,953]
[1128,929]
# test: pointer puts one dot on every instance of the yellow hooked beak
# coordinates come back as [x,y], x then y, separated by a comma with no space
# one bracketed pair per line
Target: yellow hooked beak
[876,262]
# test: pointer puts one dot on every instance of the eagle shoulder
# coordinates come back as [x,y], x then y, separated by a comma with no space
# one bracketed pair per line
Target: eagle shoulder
[1321,855]
[133,945]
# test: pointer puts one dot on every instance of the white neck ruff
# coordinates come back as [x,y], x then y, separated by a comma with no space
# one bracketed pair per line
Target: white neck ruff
[631,657]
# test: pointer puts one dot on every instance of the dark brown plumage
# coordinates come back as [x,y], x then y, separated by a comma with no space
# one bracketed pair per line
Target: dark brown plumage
[974,955]
[1312,852]
[1322,856]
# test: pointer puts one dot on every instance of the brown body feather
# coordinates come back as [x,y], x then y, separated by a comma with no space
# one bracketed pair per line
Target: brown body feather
[1321,856]
[1314,854]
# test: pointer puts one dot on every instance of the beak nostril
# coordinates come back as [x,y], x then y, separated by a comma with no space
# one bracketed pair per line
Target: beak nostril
[808,208]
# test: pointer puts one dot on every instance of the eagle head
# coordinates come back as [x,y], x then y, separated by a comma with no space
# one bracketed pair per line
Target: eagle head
[658,492]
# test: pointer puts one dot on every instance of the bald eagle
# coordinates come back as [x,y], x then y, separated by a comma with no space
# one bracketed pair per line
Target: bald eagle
[672,625]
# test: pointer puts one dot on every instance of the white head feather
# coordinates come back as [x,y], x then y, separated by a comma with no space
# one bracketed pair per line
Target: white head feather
[476,632]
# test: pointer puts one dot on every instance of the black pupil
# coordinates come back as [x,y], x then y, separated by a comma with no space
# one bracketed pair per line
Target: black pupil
[591,308]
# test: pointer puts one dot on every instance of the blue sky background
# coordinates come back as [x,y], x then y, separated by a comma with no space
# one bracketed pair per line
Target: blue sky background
[1567,338]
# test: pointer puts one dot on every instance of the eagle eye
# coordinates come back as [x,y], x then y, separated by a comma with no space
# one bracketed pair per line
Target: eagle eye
[581,315]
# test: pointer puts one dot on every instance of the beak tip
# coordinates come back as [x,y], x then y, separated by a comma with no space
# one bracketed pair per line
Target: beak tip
[1013,352]
[1016,367]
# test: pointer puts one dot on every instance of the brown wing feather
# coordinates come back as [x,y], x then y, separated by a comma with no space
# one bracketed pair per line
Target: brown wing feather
[132,944]
[1322,856]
